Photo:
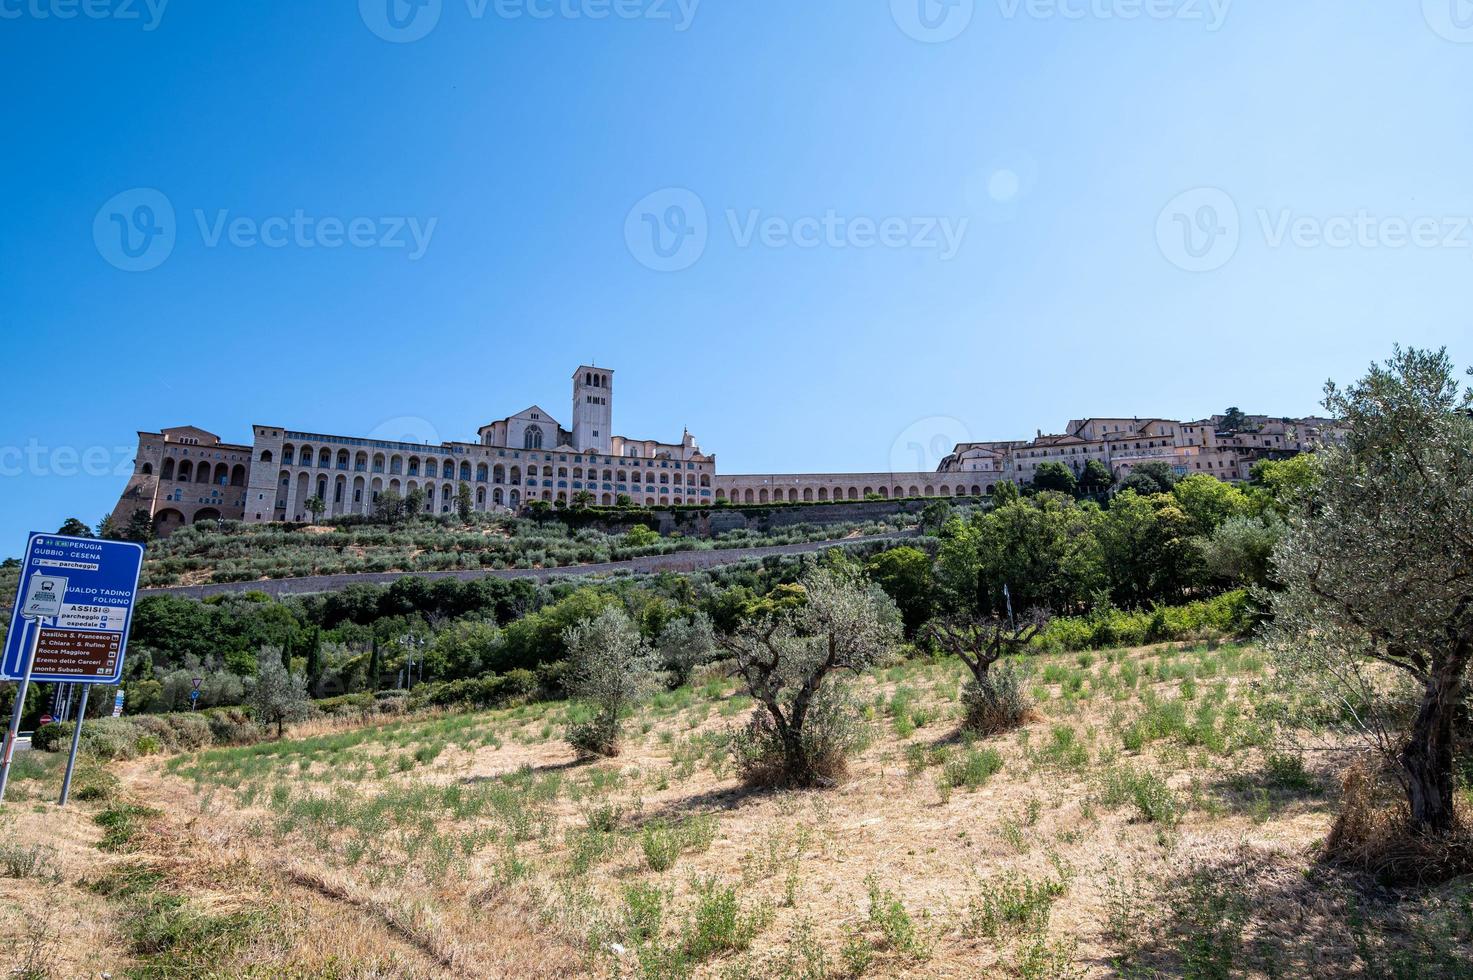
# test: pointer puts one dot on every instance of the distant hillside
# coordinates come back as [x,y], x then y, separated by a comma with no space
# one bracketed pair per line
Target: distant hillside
[237,552]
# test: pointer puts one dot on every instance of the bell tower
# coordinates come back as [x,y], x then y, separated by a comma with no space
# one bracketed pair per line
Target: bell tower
[593,409]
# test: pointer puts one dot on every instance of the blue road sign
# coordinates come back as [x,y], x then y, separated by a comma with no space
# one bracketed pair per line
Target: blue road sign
[194,695]
[85,635]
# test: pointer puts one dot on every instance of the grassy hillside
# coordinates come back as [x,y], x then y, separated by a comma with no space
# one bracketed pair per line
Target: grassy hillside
[1146,823]
[248,552]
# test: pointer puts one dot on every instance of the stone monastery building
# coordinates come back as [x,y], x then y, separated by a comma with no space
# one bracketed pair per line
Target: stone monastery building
[185,475]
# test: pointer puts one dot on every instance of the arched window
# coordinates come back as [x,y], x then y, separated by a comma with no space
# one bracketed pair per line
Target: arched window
[148,469]
[533,438]
[265,455]
[168,470]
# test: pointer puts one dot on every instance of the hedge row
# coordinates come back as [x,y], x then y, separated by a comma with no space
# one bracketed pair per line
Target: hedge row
[1229,614]
[491,691]
[127,738]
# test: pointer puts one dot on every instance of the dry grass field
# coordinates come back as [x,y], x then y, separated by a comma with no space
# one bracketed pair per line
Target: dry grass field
[1148,822]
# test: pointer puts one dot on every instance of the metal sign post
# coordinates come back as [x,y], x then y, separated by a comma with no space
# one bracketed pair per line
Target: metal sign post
[71,760]
[20,705]
[70,625]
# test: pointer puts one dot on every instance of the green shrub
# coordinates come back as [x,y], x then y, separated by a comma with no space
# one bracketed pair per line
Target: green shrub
[832,732]
[232,726]
[52,737]
[1229,614]
[972,769]
[998,704]
[661,845]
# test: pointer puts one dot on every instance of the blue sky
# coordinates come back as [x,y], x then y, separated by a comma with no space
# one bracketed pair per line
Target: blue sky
[815,153]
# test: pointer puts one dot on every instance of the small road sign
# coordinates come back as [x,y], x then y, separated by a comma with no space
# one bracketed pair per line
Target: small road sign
[118,703]
[47,719]
[194,695]
[43,596]
[197,682]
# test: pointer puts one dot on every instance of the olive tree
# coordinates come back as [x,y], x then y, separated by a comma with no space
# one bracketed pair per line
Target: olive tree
[804,727]
[610,669]
[278,695]
[1377,568]
[993,702]
[686,644]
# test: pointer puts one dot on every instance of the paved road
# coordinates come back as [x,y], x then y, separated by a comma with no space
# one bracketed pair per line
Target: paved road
[681,561]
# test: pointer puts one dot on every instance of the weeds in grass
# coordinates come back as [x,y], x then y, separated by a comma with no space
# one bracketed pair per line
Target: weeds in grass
[888,928]
[1153,798]
[1012,904]
[718,923]
[1209,914]
[34,861]
[1039,958]
[972,769]
[121,823]
[663,842]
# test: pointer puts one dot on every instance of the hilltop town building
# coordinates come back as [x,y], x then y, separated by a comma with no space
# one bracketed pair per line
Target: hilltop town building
[185,475]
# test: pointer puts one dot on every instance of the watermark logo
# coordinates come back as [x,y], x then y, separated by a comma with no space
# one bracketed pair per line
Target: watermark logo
[943,235]
[150,13]
[1451,20]
[1199,230]
[135,230]
[933,21]
[410,429]
[1212,14]
[400,21]
[302,230]
[667,230]
[923,444]
[404,21]
[36,459]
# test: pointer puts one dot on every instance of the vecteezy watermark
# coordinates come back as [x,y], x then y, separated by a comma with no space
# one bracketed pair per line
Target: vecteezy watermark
[1451,20]
[1200,230]
[668,231]
[137,230]
[933,21]
[149,13]
[302,230]
[921,446]
[405,21]
[411,429]
[1210,13]
[35,459]
[939,21]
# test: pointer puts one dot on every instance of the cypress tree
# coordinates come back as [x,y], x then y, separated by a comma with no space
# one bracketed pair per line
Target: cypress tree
[314,661]
[375,665]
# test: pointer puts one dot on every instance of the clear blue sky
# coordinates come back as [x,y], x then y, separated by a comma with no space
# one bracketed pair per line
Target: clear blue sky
[1056,133]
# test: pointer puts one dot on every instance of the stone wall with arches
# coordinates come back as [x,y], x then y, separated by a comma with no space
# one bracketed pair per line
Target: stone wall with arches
[823,487]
